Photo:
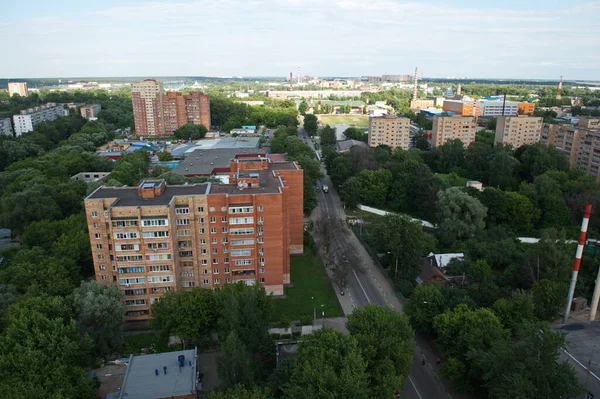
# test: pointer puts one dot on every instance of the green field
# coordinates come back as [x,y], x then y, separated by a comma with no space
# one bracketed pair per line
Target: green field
[352,120]
[309,281]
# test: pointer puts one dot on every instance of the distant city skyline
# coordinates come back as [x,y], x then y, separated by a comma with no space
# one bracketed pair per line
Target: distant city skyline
[509,39]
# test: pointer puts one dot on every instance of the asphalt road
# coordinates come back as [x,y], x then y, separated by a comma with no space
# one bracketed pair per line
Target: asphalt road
[366,285]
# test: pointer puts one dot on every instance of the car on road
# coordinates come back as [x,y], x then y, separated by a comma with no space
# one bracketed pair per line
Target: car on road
[318,189]
[325,188]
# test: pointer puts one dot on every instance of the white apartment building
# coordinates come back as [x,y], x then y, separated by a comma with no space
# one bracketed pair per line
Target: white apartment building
[27,119]
[6,127]
[494,108]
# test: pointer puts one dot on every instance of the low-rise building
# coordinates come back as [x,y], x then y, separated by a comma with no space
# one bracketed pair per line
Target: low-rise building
[90,111]
[446,128]
[26,120]
[346,145]
[518,130]
[420,104]
[389,130]
[6,127]
[89,177]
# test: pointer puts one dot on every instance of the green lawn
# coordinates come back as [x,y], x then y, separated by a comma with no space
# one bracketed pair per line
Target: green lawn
[154,342]
[309,281]
[352,120]
[453,179]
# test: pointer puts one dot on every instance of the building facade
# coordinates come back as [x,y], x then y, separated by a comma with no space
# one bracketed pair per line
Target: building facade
[581,145]
[180,109]
[6,128]
[19,88]
[26,120]
[389,130]
[446,128]
[148,108]
[491,108]
[421,104]
[459,107]
[518,130]
[155,238]
[90,111]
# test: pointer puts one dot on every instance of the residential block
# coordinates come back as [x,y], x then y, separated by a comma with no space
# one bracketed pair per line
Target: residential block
[446,128]
[518,130]
[389,130]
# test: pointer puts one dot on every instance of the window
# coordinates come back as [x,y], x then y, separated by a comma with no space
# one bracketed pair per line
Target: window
[160,279]
[205,282]
[215,250]
[225,260]
[260,230]
[213,220]
[260,208]
[154,222]
[158,245]
[247,220]
[182,222]
[261,260]
[203,251]
[204,262]
[203,241]
[127,247]
[135,302]
[201,220]
[228,280]
[223,219]
[124,223]
[155,234]
[262,279]
[216,281]
[223,209]
[202,231]
[261,251]
[261,219]
[97,236]
[205,271]
[215,271]
[184,244]
[226,270]
[158,257]
[96,225]
[213,230]
[102,267]
[130,258]
[132,280]
[242,231]
[215,261]
[261,270]
[160,268]
[241,252]
[245,241]
[185,254]
[240,209]
[132,269]
[243,262]
[136,291]
[200,209]
[98,246]
[189,284]
[183,233]
[104,277]
[224,229]
[125,236]
[225,240]
[100,257]
[260,240]
[182,210]
[94,214]
[187,274]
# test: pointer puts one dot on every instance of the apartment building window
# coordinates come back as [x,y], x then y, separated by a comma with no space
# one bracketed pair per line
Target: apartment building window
[182,222]
[94,214]
[215,271]
[261,270]
[242,231]
[100,257]
[104,277]
[202,241]
[123,223]
[246,220]
[189,284]
[130,258]
[262,279]
[97,236]
[223,209]
[205,271]
[213,240]
[243,262]
[185,254]
[96,225]
[183,233]
[187,274]
[260,208]
[261,260]
[202,231]
[225,240]
[98,246]
[158,257]
[200,209]
[213,230]
[227,280]
[205,282]
[160,268]
[240,209]
[132,280]
[215,251]
[126,236]
[154,222]
[216,281]
[102,267]
[261,219]
[211,209]
[241,252]
[203,251]
[261,230]
[225,260]
[215,261]
[261,251]
[201,220]
[245,241]
[136,291]
[132,269]
[157,245]
[226,271]
[224,230]
[223,219]
[182,211]
[155,234]
[160,279]
[260,240]
[114,268]
[213,219]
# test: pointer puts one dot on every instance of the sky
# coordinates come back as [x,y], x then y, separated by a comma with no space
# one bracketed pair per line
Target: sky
[532,39]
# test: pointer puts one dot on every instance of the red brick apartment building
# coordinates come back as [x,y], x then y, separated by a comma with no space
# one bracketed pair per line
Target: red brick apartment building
[156,238]
[158,114]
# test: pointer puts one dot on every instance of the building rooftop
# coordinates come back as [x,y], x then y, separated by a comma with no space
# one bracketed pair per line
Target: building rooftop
[583,344]
[442,260]
[204,162]
[238,142]
[141,381]
[128,196]
[345,145]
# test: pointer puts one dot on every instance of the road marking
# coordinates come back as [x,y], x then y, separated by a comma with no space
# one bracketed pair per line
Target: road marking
[415,387]
[361,286]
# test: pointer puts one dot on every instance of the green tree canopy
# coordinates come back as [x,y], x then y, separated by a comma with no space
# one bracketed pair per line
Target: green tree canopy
[190,132]
[460,215]
[310,124]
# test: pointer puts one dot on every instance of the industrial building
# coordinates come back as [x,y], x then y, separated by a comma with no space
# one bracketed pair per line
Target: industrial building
[389,130]
[26,120]
[213,162]
[155,238]
[447,128]
[491,108]
[518,130]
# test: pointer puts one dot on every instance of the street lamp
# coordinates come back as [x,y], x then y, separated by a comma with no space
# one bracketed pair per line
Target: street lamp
[396,269]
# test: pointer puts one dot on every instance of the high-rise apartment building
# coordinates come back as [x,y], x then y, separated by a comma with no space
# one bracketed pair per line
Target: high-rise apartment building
[155,238]
[26,120]
[180,109]
[491,108]
[6,127]
[389,130]
[518,130]
[90,111]
[19,88]
[148,108]
[446,128]
[580,144]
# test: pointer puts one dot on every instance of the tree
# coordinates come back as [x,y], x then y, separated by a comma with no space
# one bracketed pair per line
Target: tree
[511,209]
[302,108]
[421,142]
[233,364]
[363,158]
[528,367]
[450,155]
[460,215]
[538,158]
[131,168]
[426,302]
[340,170]
[329,364]
[327,135]
[414,188]
[549,298]
[406,241]
[386,342]
[491,125]
[514,310]
[240,391]
[477,161]
[99,314]
[353,133]
[164,156]
[310,124]
[190,132]
[350,192]
[189,314]
[503,170]
[375,185]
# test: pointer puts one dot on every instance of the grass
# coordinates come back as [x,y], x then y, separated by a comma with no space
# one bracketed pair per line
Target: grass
[352,120]
[453,179]
[134,343]
[309,281]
